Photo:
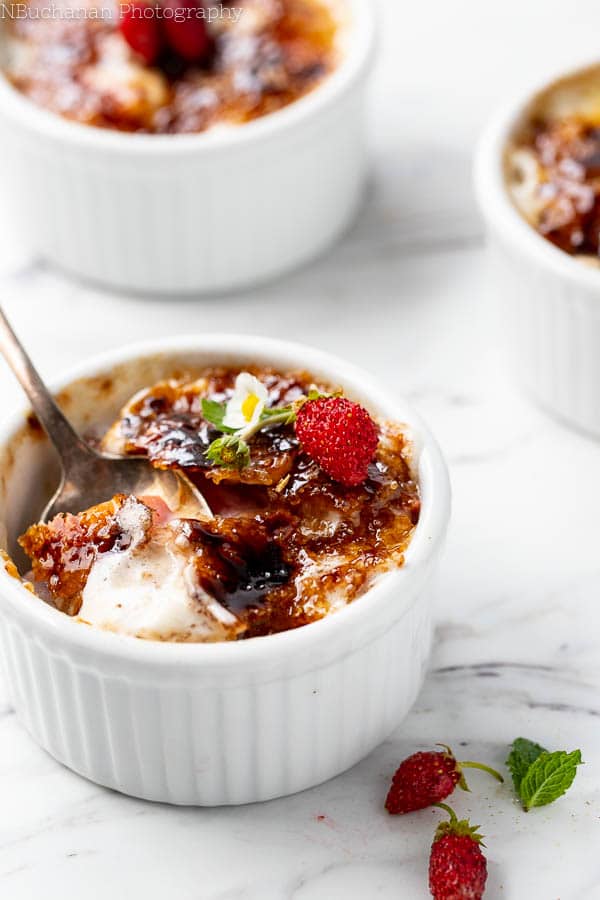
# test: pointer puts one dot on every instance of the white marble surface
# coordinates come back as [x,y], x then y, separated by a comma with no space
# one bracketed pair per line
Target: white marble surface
[518,614]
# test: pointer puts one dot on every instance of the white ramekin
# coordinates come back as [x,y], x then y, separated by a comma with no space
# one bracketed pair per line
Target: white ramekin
[550,302]
[192,213]
[218,723]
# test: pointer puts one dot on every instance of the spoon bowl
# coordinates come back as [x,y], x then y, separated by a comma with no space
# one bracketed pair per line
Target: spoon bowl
[89,477]
[94,478]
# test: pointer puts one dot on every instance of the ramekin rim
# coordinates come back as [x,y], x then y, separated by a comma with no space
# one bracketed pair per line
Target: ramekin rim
[355,62]
[428,536]
[493,196]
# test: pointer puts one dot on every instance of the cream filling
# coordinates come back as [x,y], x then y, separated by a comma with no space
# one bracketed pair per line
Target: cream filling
[525,178]
[151,592]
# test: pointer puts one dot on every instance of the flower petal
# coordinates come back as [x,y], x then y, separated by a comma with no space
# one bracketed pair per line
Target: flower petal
[247,402]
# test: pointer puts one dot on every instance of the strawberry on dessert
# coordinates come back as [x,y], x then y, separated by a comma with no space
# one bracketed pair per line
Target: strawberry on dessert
[313,500]
[340,435]
[141,31]
[185,32]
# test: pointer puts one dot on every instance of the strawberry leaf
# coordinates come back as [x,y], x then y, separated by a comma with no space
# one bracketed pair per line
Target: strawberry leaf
[549,777]
[214,412]
[522,754]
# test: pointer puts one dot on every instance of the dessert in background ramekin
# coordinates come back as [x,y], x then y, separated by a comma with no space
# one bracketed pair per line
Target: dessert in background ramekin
[539,202]
[228,207]
[233,721]
[553,165]
[121,66]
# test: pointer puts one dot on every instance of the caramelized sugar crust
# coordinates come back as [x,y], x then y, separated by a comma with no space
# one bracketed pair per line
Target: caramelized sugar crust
[567,152]
[82,68]
[287,545]
[63,552]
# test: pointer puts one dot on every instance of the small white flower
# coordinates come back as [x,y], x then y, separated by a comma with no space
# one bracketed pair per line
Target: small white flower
[245,407]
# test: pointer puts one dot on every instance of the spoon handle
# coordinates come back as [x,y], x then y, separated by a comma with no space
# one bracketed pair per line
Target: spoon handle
[60,431]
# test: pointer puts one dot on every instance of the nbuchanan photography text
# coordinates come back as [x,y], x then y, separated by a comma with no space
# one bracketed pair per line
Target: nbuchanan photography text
[149,11]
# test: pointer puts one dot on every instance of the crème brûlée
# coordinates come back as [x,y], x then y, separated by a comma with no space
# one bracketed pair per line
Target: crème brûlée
[249,59]
[553,165]
[313,500]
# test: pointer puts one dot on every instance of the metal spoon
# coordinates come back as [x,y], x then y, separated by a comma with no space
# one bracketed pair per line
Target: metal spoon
[89,477]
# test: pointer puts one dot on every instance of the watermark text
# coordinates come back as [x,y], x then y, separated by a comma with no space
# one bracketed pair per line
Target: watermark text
[212,13]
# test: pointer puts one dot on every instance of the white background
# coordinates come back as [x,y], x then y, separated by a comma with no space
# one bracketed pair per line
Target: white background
[408,295]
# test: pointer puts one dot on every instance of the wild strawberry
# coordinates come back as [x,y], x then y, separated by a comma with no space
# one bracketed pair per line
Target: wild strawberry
[185,31]
[340,435]
[427,778]
[457,866]
[140,28]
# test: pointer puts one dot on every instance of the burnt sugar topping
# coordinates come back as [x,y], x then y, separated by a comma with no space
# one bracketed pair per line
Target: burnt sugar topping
[553,165]
[171,66]
[312,500]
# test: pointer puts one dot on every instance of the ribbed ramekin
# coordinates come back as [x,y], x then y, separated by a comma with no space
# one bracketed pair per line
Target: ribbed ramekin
[211,724]
[192,213]
[549,302]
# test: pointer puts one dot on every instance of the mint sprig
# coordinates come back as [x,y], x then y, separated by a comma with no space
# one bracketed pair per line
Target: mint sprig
[541,777]
[549,777]
[523,753]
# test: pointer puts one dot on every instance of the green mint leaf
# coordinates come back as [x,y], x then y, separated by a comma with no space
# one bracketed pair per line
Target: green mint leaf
[549,777]
[229,451]
[214,412]
[522,754]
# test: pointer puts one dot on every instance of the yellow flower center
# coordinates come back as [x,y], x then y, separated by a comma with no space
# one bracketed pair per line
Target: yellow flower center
[249,404]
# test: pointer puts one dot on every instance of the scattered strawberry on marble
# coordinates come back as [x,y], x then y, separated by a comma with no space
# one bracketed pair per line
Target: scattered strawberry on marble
[424,779]
[457,866]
